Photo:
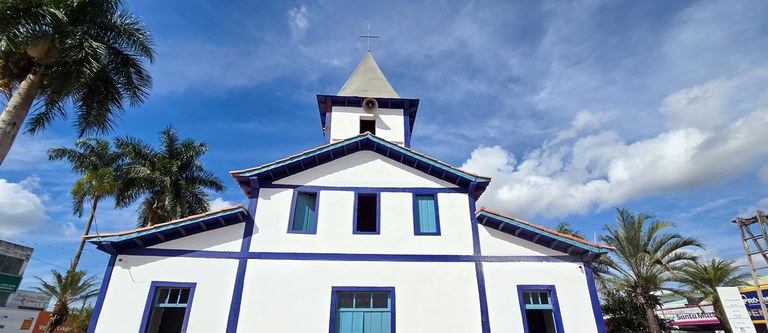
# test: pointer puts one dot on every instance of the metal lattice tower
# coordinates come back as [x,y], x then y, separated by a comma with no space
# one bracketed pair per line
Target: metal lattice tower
[747,235]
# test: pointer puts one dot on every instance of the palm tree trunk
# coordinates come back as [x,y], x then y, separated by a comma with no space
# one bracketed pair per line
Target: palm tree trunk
[79,252]
[58,317]
[17,109]
[720,314]
[650,317]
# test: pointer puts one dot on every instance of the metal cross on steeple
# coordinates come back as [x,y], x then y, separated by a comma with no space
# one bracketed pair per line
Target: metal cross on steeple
[369,36]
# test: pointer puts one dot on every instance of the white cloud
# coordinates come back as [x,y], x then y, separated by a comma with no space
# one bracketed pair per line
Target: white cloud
[20,209]
[220,203]
[298,20]
[601,169]
[69,229]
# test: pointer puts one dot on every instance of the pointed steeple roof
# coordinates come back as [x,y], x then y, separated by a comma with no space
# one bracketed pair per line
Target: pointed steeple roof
[368,81]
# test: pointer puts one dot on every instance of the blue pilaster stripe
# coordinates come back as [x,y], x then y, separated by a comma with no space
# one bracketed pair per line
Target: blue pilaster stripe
[102,293]
[242,265]
[485,322]
[598,313]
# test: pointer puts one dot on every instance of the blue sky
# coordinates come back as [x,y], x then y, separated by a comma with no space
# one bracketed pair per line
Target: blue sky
[574,108]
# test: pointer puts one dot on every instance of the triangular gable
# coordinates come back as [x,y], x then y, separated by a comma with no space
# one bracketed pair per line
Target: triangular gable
[540,235]
[261,176]
[163,232]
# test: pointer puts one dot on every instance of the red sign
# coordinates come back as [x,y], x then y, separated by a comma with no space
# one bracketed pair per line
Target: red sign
[42,321]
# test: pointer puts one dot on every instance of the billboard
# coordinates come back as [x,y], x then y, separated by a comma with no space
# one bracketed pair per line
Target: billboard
[749,296]
[9,283]
[689,315]
[28,299]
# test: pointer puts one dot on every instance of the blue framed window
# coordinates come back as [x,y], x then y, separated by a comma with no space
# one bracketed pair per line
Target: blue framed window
[362,310]
[366,213]
[425,214]
[540,309]
[168,307]
[303,218]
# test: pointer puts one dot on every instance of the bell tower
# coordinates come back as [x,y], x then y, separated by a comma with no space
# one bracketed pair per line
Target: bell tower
[367,103]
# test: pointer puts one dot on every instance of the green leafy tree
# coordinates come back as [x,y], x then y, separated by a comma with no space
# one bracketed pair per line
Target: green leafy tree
[705,277]
[99,166]
[85,54]
[80,319]
[646,257]
[170,181]
[623,312]
[66,289]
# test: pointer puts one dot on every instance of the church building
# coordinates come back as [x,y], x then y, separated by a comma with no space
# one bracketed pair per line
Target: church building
[360,235]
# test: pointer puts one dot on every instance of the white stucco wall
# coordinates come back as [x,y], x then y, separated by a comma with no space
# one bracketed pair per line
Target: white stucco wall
[129,288]
[429,297]
[365,169]
[221,239]
[569,279]
[345,123]
[497,243]
[335,225]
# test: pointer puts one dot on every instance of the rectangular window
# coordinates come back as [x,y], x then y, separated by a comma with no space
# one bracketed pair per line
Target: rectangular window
[368,126]
[363,310]
[304,214]
[425,214]
[367,214]
[168,307]
[540,309]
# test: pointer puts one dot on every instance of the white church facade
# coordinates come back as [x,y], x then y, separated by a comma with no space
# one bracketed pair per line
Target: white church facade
[361,235]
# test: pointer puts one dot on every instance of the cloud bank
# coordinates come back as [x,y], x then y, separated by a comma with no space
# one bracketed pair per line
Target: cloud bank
[712,134]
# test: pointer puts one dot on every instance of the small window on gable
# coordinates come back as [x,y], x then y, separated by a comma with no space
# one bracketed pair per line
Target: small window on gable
[367,215]
[425,216]
[368,125]
[168,313]
[304,215]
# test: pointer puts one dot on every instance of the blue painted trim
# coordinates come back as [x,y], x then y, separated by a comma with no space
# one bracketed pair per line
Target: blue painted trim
[407,128]
[596,310]
[378,214]
[327,124]
[345,256]
[555,304]
[242,265]
[150,299]
[416,190]
[416,224]
[334,290]
[102,294]
[313,228]
[485,322]
[517,224]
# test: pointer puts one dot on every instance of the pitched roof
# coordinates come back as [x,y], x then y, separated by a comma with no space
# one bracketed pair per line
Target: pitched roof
[368,81]
[285,167]
[538,234]
[167,231]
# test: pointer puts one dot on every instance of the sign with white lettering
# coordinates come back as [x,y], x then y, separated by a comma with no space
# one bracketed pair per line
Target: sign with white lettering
[735,310]
[690,315]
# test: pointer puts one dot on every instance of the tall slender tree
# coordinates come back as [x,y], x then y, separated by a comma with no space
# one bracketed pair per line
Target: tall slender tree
[170,181]
[66,289]
[705,277]
[99,166]
[646,257]
[85,54]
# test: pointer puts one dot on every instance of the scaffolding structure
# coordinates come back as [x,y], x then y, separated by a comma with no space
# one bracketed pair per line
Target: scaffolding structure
[745,224]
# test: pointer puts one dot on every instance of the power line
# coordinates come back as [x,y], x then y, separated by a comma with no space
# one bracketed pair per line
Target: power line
[52,264]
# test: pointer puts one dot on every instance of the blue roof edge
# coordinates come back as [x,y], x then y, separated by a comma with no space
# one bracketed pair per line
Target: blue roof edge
[366,136]
[541,231]
[184,224]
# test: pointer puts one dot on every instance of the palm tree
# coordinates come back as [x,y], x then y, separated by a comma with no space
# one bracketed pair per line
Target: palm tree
[81,318]
[98,164]
[171,180]
[645,258]
[704,278]
[87,54]
[66,289]
[564,227]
